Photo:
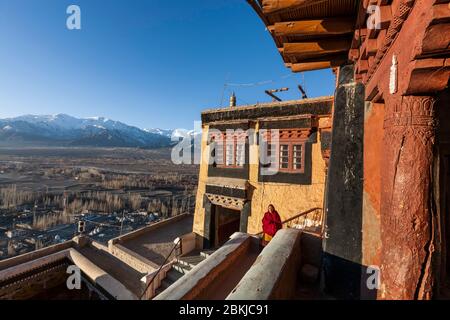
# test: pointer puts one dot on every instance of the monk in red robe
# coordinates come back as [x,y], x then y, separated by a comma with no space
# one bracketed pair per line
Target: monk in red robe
[271,224]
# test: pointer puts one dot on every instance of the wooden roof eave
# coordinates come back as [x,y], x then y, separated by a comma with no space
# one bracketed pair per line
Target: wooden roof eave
[312,43]
[277,6]
[258,10]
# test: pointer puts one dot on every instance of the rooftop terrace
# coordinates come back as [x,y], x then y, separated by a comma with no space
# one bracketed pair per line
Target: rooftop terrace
[156,246]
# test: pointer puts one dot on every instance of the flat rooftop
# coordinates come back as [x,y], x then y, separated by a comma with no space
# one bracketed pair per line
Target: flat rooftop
[119,274]
[155,245]
[119,270]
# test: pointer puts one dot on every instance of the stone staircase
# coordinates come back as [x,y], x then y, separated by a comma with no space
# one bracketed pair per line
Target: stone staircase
[308,282]
[182,266]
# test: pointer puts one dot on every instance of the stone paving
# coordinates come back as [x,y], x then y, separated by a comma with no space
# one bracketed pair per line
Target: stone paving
[156,245]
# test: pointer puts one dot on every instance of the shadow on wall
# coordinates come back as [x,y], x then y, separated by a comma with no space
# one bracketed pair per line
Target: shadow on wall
[347,280]
[342,270]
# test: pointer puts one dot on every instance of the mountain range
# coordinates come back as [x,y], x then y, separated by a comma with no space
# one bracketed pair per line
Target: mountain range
[67,131]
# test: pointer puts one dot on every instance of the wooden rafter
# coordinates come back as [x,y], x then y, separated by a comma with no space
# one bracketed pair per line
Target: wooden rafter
[315,49]
[317,27]
[311,34]
[275,6]
[324,62]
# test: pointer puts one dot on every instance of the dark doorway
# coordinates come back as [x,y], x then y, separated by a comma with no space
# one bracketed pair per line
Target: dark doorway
[211,243]
[444,196]
[445,211]
[443,152]
[227,222]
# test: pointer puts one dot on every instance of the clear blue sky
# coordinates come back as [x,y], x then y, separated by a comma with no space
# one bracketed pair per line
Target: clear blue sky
[148,63]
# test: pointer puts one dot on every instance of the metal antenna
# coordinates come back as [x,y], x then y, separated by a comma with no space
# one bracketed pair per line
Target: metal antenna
[304,96]
[271,93]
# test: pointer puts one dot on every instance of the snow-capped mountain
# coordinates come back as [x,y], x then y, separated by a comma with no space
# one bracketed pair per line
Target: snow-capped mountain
[66,130]
[162,132]
[174,134]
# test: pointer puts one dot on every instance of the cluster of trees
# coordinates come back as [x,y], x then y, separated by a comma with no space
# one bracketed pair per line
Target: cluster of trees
[166,206]
[182,204]
[172,206]
[127,182]
[51,200]
[97,201]
[52,219]
[104,202]
[10,197]
[83,174]
[150,182]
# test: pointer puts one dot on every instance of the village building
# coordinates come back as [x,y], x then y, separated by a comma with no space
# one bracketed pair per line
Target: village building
[236,183]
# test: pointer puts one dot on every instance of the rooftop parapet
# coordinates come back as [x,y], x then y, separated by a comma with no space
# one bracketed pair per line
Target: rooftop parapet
[321,106]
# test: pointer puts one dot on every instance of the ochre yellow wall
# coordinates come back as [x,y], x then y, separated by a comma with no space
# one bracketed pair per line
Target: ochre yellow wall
[202,177]
[198,227]
[288,199]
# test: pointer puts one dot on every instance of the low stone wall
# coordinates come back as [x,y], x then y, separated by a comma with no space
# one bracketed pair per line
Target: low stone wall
[274,274]
[100,277]
[156,277]
[30,286]
[27,257]
[99,246]
[139,232]
[132,259]
[96,274]
[27,266]
[209,270]
[189,242]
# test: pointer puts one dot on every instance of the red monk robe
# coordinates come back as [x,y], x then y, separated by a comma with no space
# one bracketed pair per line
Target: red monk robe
[271,224]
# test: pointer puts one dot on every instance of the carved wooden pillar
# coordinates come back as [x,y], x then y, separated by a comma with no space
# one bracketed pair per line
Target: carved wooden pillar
[407,216]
